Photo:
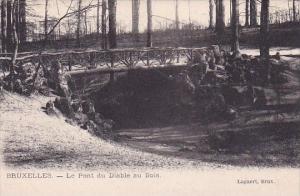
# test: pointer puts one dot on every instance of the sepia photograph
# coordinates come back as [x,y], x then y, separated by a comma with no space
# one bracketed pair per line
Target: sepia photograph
[150,97]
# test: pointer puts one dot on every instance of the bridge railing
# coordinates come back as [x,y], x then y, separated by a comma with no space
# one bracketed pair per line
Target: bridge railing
[110,59]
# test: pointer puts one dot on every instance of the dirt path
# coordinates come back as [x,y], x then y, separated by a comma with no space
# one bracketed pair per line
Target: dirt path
[264,137]
[30,138]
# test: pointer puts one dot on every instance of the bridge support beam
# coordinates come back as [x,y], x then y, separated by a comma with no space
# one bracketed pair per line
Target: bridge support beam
[111,77]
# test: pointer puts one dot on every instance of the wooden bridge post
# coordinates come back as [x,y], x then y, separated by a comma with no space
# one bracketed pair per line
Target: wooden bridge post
[163,58]
[69,63]
[148,60]
[92,59]
[111,73]
[61,65]
[192,55]
[130,58]
[130,68]
[84,84]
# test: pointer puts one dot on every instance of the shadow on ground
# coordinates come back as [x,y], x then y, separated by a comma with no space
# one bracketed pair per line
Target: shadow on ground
[265,144]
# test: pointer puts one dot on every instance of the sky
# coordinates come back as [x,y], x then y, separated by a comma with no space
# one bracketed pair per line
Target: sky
[195,11]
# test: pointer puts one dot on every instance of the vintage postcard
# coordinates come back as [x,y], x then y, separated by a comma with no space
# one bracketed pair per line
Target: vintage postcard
[150,97]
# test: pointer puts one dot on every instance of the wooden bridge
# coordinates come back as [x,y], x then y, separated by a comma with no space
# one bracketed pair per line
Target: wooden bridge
[110,61]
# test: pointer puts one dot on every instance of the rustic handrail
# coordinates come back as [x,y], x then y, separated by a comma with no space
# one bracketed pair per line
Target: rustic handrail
[114,59]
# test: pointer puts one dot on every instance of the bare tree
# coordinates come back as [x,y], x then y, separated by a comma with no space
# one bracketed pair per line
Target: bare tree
[17,17]
[9,27]
[235,28]
[211,14]
[217,3]
[149,23]
[85,23]
[15,42]
[46,23]
[22,21]
[264,34]
[15,34]
[112,34]
[104,23]
[78,23]
[98,18]
[4,25]
[294,11]
[253,13]
[220,16]
[135,19]
[247,13]
[176,15]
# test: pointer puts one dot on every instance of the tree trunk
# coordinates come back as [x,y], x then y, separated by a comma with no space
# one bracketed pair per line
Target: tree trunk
[22,21]
[149,23]
[85,23]
[14,30]
[220,17]
[46,23]
[78,24]
[253,13]
[135,19]
[176,15]
[211,14]
[264,34]
[4,25]
[17,16]
[112,34]
[230,15]
[68,32]
[247,13]
[104,37]
[9,29]
[217,2]
[14,10]
[294,11]
[235,28]
[98,18]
